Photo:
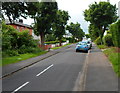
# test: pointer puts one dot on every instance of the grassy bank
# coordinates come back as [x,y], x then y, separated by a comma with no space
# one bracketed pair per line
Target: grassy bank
[21,57]
[15,59]
[114,57]
[102,46]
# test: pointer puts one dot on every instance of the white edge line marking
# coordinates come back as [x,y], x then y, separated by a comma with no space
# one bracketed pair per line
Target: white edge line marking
[44,70]
[20,87]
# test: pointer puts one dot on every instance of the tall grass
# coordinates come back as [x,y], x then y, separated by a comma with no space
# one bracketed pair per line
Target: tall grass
[102,46]
[114,57]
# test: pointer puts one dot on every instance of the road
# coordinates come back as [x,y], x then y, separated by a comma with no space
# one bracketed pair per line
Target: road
[56,73]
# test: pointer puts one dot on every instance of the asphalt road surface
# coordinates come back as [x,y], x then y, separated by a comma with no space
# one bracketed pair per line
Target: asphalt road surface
[56,73]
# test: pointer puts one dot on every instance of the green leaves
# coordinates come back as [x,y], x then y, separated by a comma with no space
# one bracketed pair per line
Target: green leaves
[60,22]
[12,39]
[75,30]
[107,39]
[115,31]
[93,31]
[44,14]
[14,10]
[101,14]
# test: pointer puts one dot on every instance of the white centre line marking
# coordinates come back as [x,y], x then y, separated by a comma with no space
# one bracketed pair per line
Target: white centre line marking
[44,70]
[20,87]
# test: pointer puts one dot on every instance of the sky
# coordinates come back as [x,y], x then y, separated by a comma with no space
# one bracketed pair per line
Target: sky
[75,9]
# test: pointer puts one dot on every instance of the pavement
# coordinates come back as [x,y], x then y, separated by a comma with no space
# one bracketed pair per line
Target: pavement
[98,74]
[13,68]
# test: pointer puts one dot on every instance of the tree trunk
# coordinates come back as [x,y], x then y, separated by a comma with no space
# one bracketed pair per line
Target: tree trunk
[100,34]
[60,42]
[73,39]
[9,18]
[42,36]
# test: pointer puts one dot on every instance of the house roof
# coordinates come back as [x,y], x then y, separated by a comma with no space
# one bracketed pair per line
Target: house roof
[17,23]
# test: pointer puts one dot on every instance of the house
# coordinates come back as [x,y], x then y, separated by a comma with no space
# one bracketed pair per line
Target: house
[20,26]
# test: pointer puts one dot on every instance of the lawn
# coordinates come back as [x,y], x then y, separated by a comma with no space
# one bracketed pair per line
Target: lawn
[14,59]
[114,57]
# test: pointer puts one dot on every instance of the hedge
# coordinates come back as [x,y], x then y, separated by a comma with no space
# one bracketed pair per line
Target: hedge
[107,39]
[115,31]
[98,41]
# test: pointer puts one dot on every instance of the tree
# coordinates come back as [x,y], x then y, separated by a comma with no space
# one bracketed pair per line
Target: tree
[14,10]
[101,15]
[93,32]
[59,26]
[44,15]
[87,35]
[50,37]
[115,31]
[75,30]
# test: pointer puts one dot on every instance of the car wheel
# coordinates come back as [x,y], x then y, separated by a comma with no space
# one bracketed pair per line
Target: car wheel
[86,51]
[76,50]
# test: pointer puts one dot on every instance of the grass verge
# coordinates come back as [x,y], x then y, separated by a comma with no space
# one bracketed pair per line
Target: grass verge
[102,46]
[114,57]
[61,46]
[15,59]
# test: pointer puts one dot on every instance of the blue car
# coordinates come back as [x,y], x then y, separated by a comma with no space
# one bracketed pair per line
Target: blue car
[82,46]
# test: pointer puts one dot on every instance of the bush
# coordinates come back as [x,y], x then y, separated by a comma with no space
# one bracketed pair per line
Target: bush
[9,37]
[14,42]
[115,31]
[102,46]
[50,37]
[25,39]
[10,53]
[52,42]
[63,40]
[71,40]
[98,41]
[107,39]
[24,49]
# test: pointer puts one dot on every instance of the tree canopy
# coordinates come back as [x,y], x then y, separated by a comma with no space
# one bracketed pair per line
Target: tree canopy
[93,32]
[101,15]
[44,17]
[14,10]
[59,26]
[75,30]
